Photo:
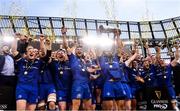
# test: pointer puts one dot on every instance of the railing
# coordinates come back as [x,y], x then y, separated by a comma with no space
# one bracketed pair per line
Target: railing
[77,27]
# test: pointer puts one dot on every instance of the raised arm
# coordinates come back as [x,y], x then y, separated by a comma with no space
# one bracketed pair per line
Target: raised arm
[22,43]
[119,42]
[131,58]
[14,46]
[146,46]
[63,31]
[174,62]
[65,44]
[48,45]
[158,53]
[42,45]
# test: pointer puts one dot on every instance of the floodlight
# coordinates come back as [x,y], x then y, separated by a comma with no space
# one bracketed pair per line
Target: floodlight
[98,41]
[90,40]
[8,39]
[105,42]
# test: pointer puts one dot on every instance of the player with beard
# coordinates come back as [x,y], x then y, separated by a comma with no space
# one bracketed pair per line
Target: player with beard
[80,73]
[163,74]
[148,74]
[47,92]
[28,75]
[123,58]
[63,80]
[115,88]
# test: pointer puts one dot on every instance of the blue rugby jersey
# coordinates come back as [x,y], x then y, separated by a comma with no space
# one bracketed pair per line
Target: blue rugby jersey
[132,73]
[112,71]
[163,76]
[123,68]
[28,71]
[45,74]
[62,74]
[79,70]
[149,76]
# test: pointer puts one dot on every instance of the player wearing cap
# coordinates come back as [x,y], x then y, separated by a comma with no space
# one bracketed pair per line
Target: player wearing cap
[163,78]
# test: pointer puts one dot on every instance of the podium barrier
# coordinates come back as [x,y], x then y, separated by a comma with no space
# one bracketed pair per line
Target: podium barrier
[154,99]
[7,98]
[7,92]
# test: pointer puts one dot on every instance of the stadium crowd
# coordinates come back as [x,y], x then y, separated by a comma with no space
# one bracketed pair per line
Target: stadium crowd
[74,79]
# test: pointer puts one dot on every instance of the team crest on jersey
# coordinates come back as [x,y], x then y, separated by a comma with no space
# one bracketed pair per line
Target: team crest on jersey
[108,93]
[60,98]
[36,62]
[78,95]
[124,92]
[19,96]
[54,91]
[67,68]
[35,67]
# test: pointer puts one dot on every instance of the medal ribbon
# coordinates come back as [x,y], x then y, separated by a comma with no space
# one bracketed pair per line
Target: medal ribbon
[28,66]
[60,68]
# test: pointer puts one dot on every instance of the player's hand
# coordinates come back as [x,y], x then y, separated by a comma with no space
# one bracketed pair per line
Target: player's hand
[26,38]
[158,49]
[41,38]
[117,32]
[91,70]
[17,35]
[48,42]
[138,78]
[176,46]
[146,45]
[63,30]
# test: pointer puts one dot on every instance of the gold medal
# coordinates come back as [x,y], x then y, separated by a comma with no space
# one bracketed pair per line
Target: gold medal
[164,77]
[61,72]
[110,66]
[25,73]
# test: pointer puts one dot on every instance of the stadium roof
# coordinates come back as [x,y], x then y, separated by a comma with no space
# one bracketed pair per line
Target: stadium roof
[126,10]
